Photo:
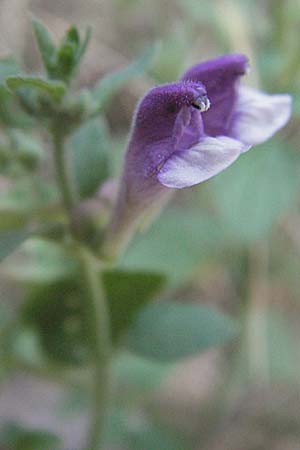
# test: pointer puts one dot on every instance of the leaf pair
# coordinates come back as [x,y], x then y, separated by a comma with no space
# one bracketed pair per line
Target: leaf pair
[56,311]
[163,332]
[61,63]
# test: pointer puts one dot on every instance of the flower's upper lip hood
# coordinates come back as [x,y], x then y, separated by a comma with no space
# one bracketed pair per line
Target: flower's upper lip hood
[234,64]
[159,108]
[176,95]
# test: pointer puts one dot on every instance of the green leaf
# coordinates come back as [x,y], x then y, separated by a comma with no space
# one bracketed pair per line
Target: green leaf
[67,54]
[176,244]
[65,61]
[56,89]
[19,438]
[256,191]
[46,45]
[70,53]
[61,62]
[135,377]
[127,292]
[11,240]
[112,83]
[72,36]
[10,113]
[89,153]
[54,308]
[169,331]
[83,45]
[54,312]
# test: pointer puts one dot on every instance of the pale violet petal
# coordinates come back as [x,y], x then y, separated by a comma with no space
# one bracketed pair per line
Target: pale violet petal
[199,163]
[257,116]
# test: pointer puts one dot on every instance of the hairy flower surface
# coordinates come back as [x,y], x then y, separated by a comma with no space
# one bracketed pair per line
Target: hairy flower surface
[186,132]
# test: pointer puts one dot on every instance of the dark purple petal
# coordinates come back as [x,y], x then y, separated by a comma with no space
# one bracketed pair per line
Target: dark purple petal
[165,121]
[199,163]
[220,77]
[257,116]
[168,119]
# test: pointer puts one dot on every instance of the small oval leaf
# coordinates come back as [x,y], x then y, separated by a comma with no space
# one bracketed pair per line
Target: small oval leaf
[168,331]
[56,89]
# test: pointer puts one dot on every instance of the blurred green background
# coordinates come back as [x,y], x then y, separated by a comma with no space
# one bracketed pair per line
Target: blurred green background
[232,242]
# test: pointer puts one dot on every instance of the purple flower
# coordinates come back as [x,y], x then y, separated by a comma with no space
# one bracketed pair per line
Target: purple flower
[186,132]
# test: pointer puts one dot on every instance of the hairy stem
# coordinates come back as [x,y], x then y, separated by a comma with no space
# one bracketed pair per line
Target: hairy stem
[96,314]
[99,339]
[65,182]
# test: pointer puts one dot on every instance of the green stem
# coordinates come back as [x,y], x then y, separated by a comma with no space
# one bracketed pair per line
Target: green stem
[99,336]
[65,183]
[97,317]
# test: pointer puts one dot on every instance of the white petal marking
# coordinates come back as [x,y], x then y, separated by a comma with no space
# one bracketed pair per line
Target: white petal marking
[199,163]
[258,116]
